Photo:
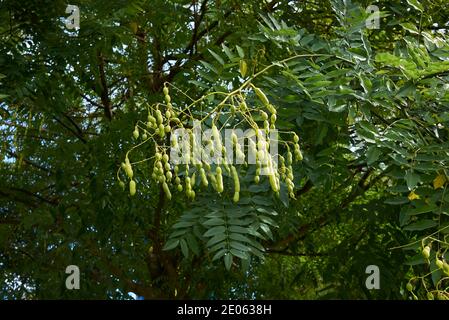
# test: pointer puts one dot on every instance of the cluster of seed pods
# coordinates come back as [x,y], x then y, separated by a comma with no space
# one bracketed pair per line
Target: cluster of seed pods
[193,173]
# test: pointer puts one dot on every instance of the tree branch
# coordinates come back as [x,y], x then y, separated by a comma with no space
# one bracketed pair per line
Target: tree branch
[105,100]
[328,217]
[76,134]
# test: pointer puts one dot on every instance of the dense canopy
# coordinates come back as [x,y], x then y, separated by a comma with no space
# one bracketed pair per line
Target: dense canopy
[362,115]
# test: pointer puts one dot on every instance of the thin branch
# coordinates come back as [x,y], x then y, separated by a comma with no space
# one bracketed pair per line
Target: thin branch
[77,127]
[32,194]
[328,217]
[15,155]
[76,134]
[91,101]
[105,100]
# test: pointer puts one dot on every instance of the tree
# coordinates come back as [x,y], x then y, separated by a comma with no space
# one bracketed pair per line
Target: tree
[366,108]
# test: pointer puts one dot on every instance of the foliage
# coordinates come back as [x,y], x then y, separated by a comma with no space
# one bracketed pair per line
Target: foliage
[369,108]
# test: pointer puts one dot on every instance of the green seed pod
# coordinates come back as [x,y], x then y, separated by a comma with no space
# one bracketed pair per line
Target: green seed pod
[290,189]
[261,145]
[234,138]
[159,117]
[176,169]
[264,115]
[266,125]
[168,114]
[132,187]
[240,156]
[169,175]
[193,179]
[409,287]
[177,180]
[235,176]
[123,166]
[167,99]
[165,91]
[243,107]
[252,146]
[129,171]
[161,130]
[273,118]
[260,155]
[256,179]
[158,156]
[441,296]
[180,188]
[165,158]
[144,136]
[298,155]
[203,177]
[243,68]
[166,190]
[282,160]
[439,263]
[167,128]
[426,252]
[123,186]
[274,182]
[162,178]
[219,181]
[430,296]
[262,97]
[213,180]
[271,108]
[446,268]
[295,138]
[236,197]
[289,158]
[216,136]
[151,118]
[136,133]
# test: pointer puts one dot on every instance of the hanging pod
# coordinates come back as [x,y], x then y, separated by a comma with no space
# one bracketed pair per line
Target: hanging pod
[235,176]
[132,187]
[219,180]
[166,190]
